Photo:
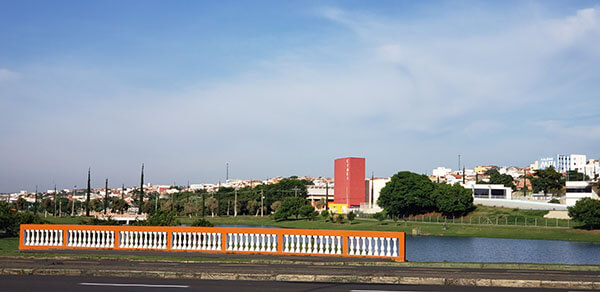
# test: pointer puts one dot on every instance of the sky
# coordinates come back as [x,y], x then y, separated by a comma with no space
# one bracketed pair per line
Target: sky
[281,88]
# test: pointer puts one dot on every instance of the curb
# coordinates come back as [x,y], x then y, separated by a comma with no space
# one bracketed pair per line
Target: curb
[310,278]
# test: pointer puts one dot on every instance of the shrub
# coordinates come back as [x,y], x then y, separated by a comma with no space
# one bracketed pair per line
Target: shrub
[202,223]
[554,201]
[10,219]
[325,215]
[339,218]
[351,216]
[586,211]
[380,216]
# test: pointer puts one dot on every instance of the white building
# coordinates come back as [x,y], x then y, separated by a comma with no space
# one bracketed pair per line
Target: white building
[547,162]
[571,162]
[441,171]
[486,191]
[373,189]
[317,192]
[592,168]
[577,190]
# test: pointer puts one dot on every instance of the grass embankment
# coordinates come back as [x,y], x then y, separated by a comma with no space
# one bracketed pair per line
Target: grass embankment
[9,248]
[488,216]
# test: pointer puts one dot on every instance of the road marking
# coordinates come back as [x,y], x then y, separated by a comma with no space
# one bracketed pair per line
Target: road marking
[387,291]
[133,285]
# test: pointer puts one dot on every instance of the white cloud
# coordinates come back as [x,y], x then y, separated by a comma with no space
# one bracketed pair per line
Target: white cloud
[8,75]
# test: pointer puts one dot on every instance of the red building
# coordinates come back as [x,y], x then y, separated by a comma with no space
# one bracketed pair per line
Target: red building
[349,178]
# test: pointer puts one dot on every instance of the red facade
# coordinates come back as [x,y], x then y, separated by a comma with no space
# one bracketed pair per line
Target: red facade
[349,178]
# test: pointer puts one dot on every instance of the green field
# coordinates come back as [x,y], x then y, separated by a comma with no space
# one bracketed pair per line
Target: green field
[495,223]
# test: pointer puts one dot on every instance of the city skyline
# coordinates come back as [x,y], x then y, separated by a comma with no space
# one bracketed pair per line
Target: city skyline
[281,89]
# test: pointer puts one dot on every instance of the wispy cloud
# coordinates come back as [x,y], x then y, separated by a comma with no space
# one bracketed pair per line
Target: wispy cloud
[8,75]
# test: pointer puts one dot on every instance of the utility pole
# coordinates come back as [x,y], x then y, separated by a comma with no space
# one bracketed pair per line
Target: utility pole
[87,199]
[123,192]
[54,200]
[226,171]
[464,175]
[326,195]
[141,191]
[36,200]
[73,201]
[203,202]
[372,189]
[105,196]
[156,203]
[262,202]
[235,203]
[458,162]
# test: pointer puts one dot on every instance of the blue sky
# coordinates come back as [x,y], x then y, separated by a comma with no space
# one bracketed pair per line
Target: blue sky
[284,87]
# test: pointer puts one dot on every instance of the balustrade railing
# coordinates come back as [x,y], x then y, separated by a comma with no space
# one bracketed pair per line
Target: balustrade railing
[216,239]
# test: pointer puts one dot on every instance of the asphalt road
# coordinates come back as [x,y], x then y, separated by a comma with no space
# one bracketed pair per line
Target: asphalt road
[93,284]
[302,269]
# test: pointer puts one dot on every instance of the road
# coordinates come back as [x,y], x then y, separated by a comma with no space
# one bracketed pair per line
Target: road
[297,269]
[93,284]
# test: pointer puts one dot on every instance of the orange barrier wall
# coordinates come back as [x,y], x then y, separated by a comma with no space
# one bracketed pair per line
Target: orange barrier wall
[224,232]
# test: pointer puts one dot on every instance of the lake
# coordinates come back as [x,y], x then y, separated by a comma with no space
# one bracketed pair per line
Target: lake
[493,250]
[476,249]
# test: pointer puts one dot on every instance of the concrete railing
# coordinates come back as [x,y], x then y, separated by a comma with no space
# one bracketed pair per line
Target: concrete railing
[216,239]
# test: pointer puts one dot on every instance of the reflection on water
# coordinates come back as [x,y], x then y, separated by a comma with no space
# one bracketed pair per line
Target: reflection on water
[475,249]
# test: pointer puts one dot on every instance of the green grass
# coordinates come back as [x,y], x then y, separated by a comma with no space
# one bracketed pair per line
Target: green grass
[492,231]
[489,229]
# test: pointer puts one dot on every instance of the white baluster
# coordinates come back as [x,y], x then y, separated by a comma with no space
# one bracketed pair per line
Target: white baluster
[320,244]
[286,243]
[261,241]
[370,248]
[219,240]
[209,240]
[205,241]
[302,243]
[327,246]
[245,242]
[351,245]
[376,247]
[364,246]
[338,248]
[251,242]
[60,237]
[269,246]
[394,247]
[175,243]
[229,241]
[123,239]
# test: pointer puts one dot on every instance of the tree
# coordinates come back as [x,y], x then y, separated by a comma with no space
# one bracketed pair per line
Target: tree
[351,216]
[10,220]
[162,218]
[275,206]
[500,179]
[290,206]
[574,175]
[48,205]
[97,205]
[252,207]
[212,205]
[321,203]
[21,204]
[453,199]
[547,180]
[119,205]
[407,193]
[586,211]
[307,211]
